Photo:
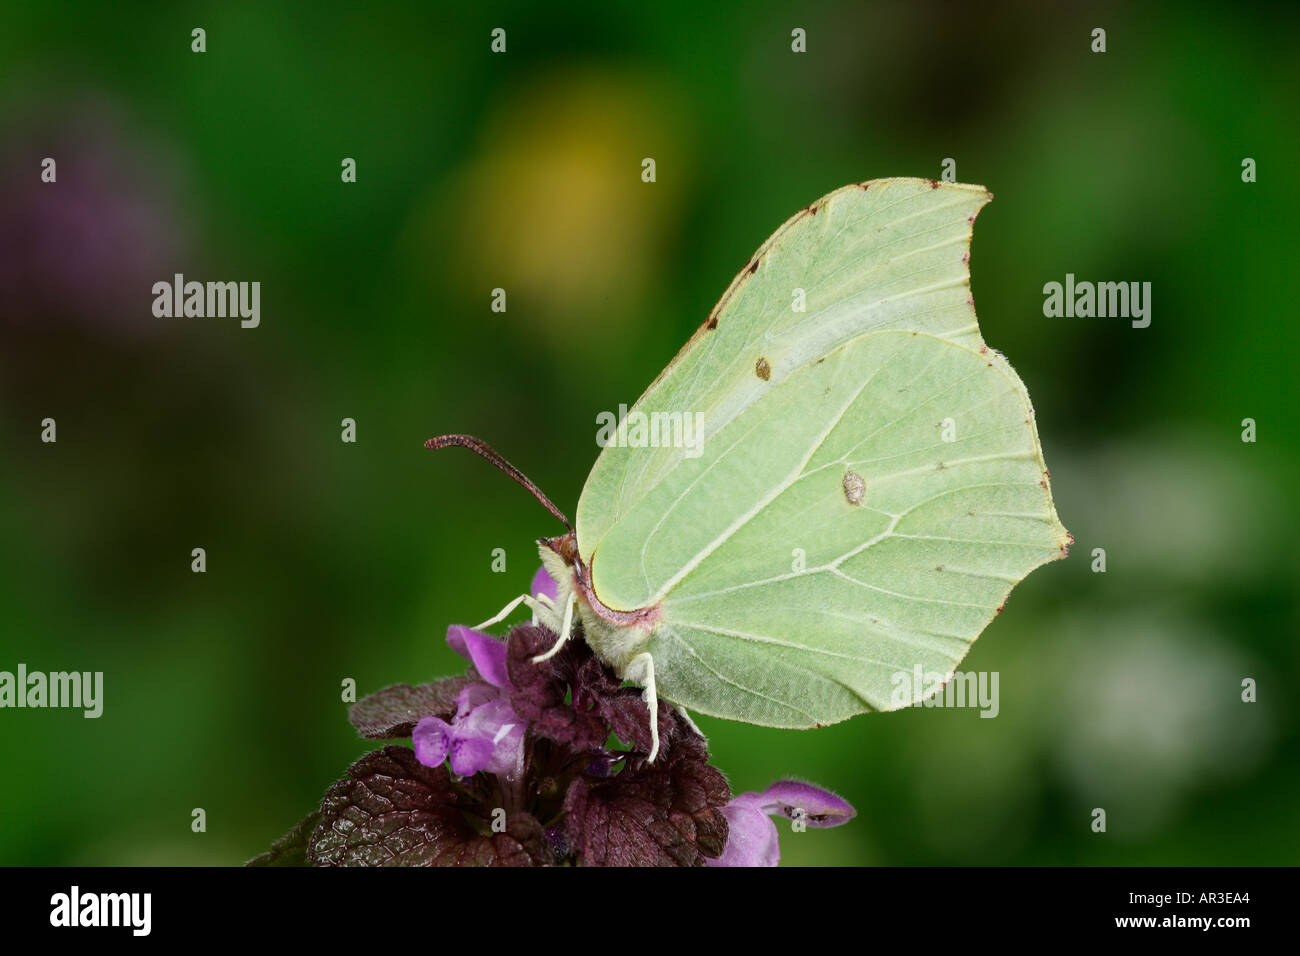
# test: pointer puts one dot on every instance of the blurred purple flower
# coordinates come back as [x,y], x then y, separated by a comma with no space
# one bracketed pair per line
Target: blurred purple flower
[484,733]
[752,834]
[87,247]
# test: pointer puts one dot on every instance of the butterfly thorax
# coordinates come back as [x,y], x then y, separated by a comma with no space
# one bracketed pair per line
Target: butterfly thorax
[614,636]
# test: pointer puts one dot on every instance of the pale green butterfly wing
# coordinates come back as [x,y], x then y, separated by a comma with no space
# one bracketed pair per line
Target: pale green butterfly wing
[888,254]
[756,630]
[783,601]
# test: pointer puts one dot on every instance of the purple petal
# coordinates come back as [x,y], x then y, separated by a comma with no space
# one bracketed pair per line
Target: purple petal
[469,755]
[752,800]
[486,720]
[489,737]
[751,836]
[543,583]
[486,653]
[821,808]
[432,738]
[475,695]
[508,752]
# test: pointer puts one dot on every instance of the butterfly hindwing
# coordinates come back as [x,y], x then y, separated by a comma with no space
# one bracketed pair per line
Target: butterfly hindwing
[803,608]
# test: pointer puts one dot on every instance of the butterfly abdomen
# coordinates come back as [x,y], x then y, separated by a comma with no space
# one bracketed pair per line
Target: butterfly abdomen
[616,646]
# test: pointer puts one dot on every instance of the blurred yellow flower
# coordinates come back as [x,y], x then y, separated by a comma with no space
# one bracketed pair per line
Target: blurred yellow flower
[552,207]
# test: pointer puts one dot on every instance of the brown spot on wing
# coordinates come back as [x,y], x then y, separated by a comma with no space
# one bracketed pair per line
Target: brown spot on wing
[762,369]
[854,487]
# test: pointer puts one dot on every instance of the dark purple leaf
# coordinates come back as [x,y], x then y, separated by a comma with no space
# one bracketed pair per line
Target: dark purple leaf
[391,810]
[665,814]
[290,849]
[540,690]
[597,690]
[394,711]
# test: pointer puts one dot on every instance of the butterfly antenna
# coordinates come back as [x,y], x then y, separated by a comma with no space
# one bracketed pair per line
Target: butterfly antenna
[482,448]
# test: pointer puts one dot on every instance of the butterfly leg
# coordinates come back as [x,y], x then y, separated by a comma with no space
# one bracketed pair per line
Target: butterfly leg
[509,609]
[565,628]
[681,712]
[641,670]
[546,602]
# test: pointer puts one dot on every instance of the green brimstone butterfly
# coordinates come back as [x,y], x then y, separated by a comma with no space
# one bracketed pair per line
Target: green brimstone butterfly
[864,488]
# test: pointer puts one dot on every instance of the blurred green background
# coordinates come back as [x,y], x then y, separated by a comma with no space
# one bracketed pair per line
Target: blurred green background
[522,171]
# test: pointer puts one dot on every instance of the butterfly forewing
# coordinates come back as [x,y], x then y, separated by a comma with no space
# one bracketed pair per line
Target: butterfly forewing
[888,254]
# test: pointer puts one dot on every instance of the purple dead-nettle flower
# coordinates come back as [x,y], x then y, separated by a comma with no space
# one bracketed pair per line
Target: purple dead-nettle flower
[538,761]
[484,733]
[751,833]
[544,586]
